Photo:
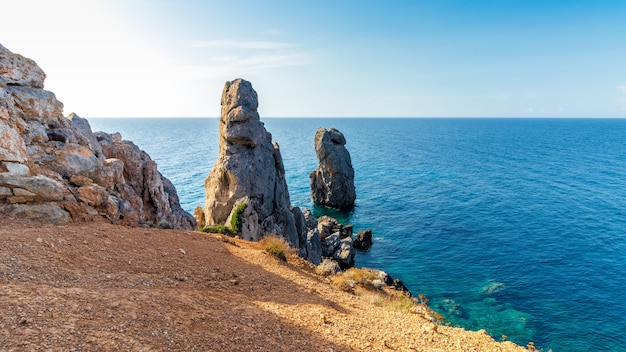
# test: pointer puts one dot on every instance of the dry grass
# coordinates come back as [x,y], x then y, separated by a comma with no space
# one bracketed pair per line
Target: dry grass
[352,277]
[276,247]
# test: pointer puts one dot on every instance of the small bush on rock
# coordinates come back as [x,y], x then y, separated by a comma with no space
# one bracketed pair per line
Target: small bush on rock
[235,221]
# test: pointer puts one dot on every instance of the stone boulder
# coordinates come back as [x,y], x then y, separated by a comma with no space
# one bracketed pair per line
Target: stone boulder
[53,168]
[249,169]
[332,183]
[363,239]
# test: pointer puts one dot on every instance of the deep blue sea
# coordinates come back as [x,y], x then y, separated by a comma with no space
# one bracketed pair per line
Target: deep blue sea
[516,226]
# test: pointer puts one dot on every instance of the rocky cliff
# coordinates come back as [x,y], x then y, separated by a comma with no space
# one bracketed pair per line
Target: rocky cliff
[249,169]
[332,183]
[55,169]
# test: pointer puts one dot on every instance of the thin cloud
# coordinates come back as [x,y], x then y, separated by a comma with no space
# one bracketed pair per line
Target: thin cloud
[226,66]
[260,45]
[622,89]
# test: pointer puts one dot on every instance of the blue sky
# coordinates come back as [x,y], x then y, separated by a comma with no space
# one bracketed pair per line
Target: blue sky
[499,58]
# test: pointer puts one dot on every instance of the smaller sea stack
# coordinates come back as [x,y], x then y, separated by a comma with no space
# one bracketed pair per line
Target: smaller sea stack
[332,183]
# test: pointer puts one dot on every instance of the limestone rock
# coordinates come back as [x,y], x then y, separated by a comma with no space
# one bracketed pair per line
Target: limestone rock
[313,245]
[336,241]
[83,126]
[54,168]
[249,169]
[332,183]
[51,212]
[12,146]
[18,70]
[139,188]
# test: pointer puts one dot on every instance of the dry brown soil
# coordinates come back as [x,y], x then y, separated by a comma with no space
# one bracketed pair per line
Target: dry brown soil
[101,287]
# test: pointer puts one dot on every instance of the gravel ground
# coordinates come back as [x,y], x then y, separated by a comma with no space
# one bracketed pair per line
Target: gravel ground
[101,287]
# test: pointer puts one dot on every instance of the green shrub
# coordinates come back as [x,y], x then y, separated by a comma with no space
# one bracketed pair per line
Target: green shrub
[216,229]
[235,221]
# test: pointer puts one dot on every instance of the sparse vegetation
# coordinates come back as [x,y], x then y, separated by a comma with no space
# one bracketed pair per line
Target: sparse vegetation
[275,246]
[364,277]
[225,230]
[235,221]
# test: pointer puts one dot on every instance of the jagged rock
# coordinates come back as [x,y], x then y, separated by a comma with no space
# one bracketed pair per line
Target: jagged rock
[363,239]
[18,70]
[327,226]
[330,244]
[344,255]
[12,146]
[83,126]
[140,188]
[313,239]
[397,284]
[313,247]
[301,230]
[336,241]
[249,169]
[332,183]
[54,168]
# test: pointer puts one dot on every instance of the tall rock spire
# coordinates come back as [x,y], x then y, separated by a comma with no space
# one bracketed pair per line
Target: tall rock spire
[249,169]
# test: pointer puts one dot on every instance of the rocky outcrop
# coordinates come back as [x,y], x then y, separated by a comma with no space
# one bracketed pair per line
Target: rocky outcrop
[336,241]
[249,169]
[363,239]
[54,168]
[332,183]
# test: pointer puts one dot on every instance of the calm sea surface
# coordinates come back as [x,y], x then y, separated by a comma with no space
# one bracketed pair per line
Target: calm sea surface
[516,226]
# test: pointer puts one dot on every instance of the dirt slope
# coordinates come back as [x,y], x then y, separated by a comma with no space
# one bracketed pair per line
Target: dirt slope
[101,287]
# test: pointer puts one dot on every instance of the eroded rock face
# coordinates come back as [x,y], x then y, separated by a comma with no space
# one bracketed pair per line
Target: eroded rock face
[55,169]
[332,183]
[249,169]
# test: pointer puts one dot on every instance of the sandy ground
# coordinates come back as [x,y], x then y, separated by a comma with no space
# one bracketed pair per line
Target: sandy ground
[101,287]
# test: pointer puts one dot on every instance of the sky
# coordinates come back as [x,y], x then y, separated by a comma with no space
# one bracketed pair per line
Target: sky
[338,58]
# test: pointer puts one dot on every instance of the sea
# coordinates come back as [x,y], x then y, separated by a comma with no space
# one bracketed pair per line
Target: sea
[515,226]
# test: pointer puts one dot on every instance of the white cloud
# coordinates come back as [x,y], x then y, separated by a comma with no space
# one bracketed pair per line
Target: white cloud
[229,65]
[262,45]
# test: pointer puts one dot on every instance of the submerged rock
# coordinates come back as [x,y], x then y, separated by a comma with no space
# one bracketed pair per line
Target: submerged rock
[55,169]
[493,287]
[332,183]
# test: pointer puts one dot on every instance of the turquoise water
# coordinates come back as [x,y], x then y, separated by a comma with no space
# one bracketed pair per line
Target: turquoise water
[517,226]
